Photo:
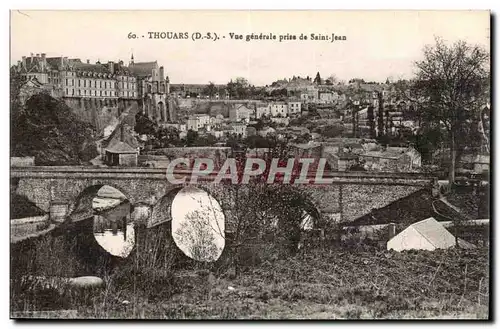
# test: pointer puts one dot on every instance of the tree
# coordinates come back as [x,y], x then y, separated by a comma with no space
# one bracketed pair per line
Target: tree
[143,125]
[332,80]
[380,114]
[167,136]
[231,89]
[47,129]
[198,233]
[210,89]
[371,120]
[452,86]
[242,88]
[304,138]
[333,131]
[266,217]
[317,79]
[191,137]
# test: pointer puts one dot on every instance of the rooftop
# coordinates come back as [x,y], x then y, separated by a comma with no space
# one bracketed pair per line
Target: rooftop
[120,147]
[434,232]
[307,146]
[143,69]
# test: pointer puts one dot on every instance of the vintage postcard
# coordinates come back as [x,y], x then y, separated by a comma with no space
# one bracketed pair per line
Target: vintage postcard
[250,164]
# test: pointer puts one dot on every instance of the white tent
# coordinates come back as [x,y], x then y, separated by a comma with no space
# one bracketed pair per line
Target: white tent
[427,234]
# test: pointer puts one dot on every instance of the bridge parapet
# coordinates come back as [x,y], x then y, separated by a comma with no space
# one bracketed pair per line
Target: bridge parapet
[337,177]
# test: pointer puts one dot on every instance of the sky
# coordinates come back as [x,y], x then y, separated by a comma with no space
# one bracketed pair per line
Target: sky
[378,45]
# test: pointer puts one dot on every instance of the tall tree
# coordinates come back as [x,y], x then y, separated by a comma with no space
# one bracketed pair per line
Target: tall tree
[380,114]
[210,89]
[317,80]
[371,120]
[453,86]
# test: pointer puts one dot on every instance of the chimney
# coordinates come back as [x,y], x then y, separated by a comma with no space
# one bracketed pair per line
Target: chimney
[32,57]
[88,61]
[391,230]
[111,67]
[162,74]
[24,61]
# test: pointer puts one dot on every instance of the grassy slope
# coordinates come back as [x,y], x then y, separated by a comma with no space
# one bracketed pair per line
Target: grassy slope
[327,285]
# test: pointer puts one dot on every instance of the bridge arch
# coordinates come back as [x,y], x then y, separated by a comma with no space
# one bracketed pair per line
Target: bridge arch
[195,221]
[161,210]
[81,205]
[106,215]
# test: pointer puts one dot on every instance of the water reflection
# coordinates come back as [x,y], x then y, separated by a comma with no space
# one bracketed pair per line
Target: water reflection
[112,228]
[198,224]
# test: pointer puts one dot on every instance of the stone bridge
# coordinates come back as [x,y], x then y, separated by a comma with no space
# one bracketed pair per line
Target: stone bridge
[67,192]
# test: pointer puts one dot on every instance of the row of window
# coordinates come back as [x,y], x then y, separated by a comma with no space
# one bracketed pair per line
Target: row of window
[101,93]
[106,84]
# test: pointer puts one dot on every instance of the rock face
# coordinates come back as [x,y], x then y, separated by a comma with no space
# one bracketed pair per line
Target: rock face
[100,114]
[47,129]
[86,282]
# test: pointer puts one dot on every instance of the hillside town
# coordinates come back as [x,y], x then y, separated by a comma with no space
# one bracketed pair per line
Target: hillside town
[356,125]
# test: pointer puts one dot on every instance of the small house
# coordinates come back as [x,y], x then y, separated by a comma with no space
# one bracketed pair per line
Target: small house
[121,154]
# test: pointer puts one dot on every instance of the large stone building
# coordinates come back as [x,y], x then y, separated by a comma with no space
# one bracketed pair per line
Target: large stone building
[154,89]
[100,84]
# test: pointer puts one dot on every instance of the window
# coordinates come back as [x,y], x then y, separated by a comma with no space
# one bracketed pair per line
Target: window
[66,81]
[79,92]
[100,93]
[85,83]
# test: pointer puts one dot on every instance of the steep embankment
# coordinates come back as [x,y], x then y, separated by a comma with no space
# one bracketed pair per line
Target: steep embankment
[47,129]
[405,211]
[101,115]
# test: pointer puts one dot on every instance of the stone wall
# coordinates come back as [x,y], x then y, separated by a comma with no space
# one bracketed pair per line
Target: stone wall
[358,200]
[218,154]
[101,113]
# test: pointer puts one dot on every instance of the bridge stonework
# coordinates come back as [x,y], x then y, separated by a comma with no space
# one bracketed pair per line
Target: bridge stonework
[349,196]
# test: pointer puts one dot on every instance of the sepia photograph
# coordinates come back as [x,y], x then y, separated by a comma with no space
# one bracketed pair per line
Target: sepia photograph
[250,164]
